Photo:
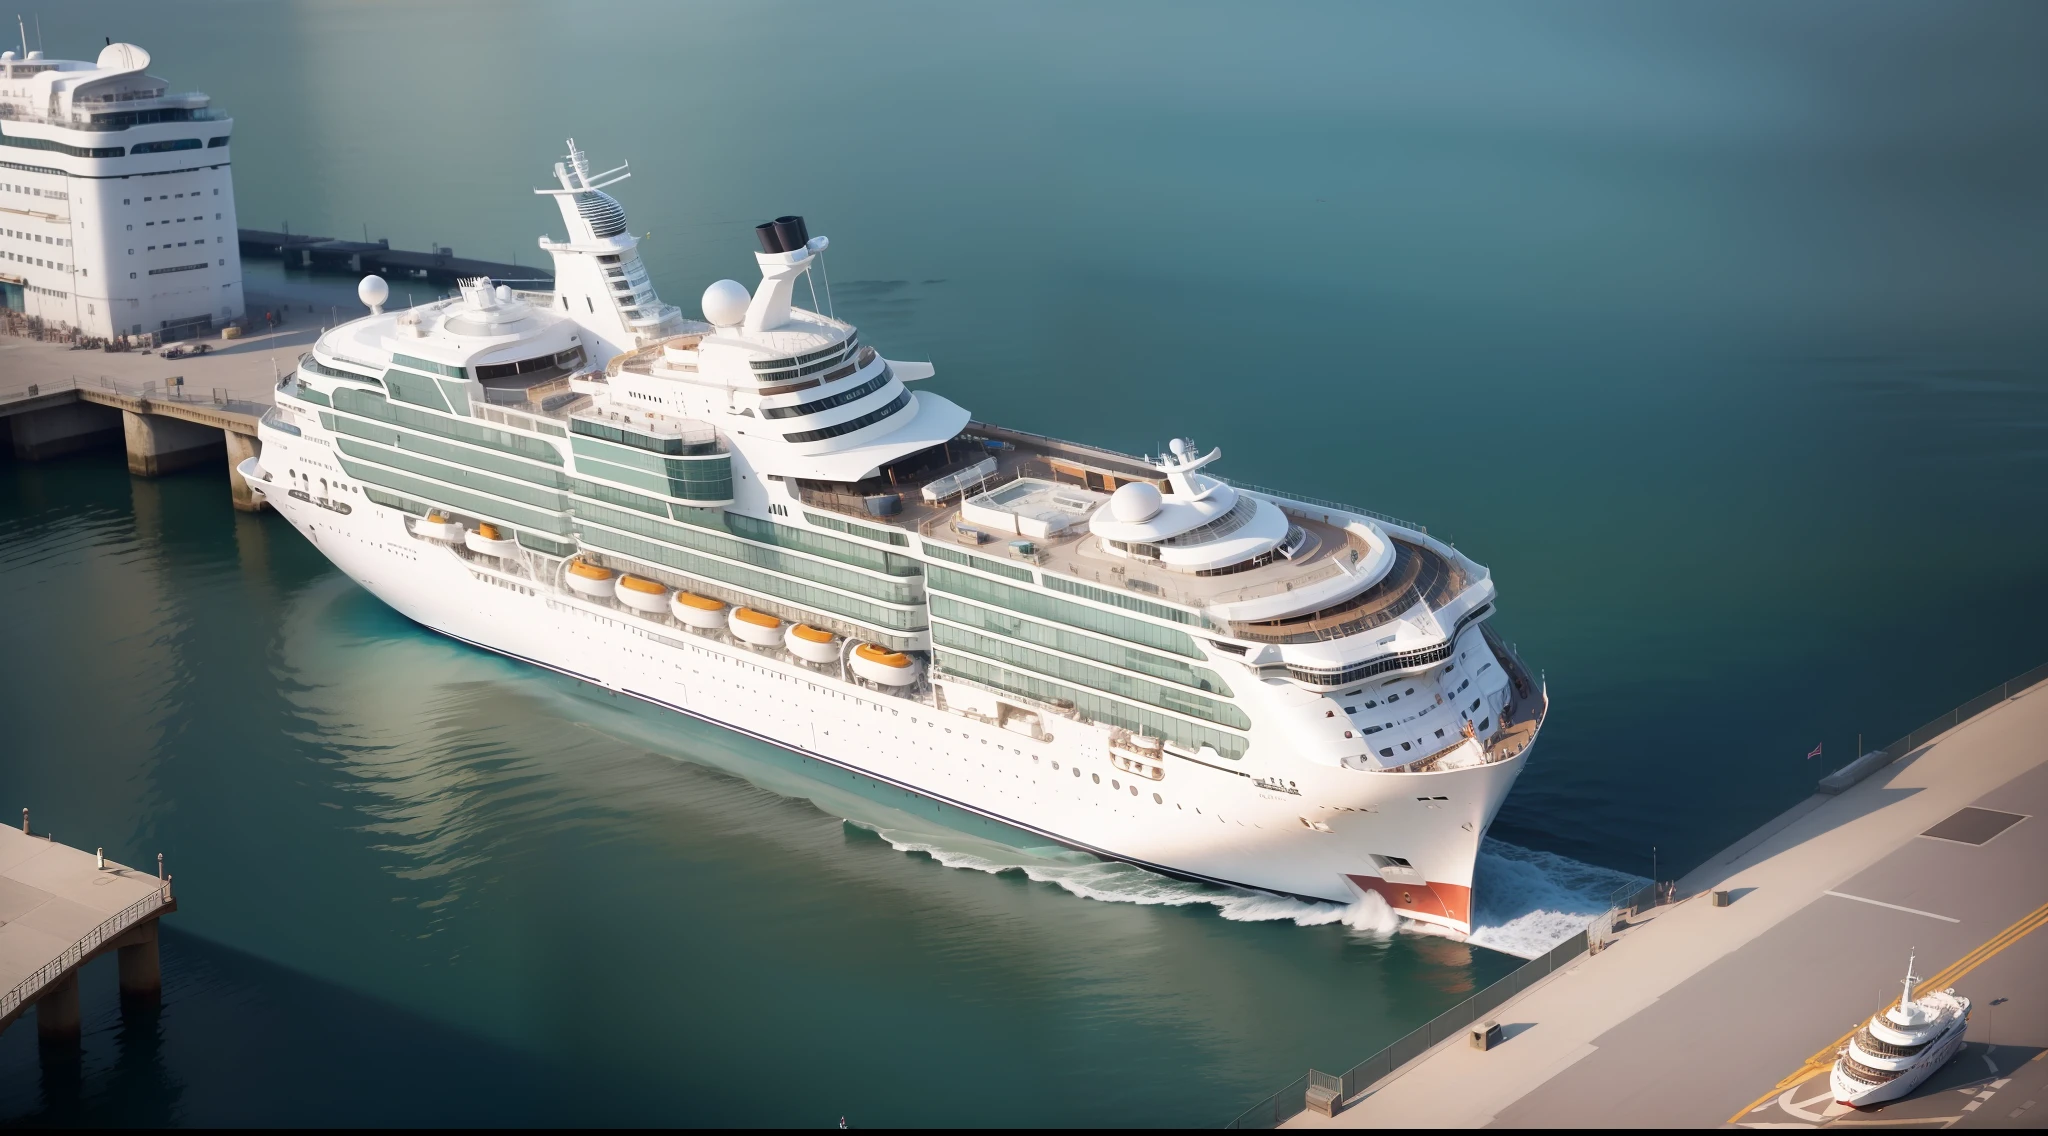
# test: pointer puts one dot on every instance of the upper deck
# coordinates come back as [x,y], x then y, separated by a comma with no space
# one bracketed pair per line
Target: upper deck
[1347,574]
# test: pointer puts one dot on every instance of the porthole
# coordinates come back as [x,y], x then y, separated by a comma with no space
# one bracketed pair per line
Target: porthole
[1055,764]
[1134,790]
[1095,777]
[1077,772]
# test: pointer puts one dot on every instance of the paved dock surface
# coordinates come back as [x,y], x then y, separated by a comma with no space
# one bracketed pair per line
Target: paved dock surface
[1718,1016]
[58,906]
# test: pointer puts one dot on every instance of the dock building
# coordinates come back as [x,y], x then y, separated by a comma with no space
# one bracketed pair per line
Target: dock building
[117,200]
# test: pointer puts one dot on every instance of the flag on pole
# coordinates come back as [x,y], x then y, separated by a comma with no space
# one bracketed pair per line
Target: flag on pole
[1814,754]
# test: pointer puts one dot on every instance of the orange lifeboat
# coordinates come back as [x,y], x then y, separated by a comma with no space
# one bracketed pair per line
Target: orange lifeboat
[491,541]
[700,612]
[811,644]
[587,579]
[880,664]
[755,627]
[642,594]
[436,525]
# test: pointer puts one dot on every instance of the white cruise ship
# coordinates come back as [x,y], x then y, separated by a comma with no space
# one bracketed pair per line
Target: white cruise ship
[760,521]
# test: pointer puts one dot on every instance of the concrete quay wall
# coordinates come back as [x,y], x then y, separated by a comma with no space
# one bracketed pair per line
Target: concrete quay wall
[1716,1015]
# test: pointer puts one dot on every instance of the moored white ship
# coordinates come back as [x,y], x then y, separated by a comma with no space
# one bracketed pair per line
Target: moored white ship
[755,521]
[1900,1047]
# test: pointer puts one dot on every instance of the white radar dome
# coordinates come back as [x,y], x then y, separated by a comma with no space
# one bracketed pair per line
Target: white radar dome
[373,291]
[504,293]
[1135,503]
[725,303]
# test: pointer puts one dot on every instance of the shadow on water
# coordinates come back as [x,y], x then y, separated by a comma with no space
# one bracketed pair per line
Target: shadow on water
[239,1041]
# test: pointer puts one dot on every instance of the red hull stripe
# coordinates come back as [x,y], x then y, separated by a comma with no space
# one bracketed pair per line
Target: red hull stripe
[1443,901]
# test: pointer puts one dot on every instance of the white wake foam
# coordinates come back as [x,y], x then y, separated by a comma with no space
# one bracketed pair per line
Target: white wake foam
[1113,882]
[1528,901]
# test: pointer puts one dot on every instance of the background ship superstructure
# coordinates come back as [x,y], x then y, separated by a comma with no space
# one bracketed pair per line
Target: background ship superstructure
[118,198]
[755,520]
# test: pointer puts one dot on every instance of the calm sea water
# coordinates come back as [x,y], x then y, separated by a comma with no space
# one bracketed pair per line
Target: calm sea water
[1717,333]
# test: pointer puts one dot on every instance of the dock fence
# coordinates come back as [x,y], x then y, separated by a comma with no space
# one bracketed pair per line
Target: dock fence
[113,926]
[1277,1108]
[1866,764]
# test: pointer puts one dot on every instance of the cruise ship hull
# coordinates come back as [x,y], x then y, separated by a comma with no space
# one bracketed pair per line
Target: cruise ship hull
[1315,838]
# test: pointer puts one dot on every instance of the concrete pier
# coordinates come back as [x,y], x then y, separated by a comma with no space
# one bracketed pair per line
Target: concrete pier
[160,444]
[163,433]
[1731,1013]
[60,908]
[59,425]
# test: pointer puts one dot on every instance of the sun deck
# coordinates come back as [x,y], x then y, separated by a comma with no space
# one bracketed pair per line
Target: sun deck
[1048,530]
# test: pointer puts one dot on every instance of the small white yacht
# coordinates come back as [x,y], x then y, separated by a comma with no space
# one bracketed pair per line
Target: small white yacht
[1900,1047]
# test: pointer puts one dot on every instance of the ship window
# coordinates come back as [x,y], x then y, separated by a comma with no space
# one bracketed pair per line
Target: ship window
[1393,698]
[1439,733]
[1410,690]
[1074,643]
[1404,747]
[1486,723]
[1475,704]
[850,425]
[1077,771]
[1114,785]
[1095,777]
[1094,678]
[1372,729]
[1387,752]
[1157,799]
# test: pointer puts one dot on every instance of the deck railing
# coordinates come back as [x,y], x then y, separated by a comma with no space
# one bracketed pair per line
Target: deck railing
[152,390]
[26,990]
[1340,506]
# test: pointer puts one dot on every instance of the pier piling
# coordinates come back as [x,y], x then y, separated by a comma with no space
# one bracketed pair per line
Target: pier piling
[162,432]
[158,444]
[142,976]
[57,1017]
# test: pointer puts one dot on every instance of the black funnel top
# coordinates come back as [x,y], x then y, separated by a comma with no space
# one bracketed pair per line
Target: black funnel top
[791,231]
[769,241]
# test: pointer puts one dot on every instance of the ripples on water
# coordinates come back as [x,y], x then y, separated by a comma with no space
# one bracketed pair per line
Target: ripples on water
[360,803]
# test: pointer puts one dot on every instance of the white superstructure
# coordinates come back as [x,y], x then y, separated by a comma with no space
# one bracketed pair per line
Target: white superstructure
[117,204]
[755,520]
[1901,1046]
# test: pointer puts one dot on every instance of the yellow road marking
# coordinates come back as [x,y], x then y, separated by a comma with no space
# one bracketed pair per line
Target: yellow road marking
[1824,1060]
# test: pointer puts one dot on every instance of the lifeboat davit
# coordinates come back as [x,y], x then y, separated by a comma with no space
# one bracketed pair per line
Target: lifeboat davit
[810,644]
[700,612]
[642,594]
[488,540]
[436,526]
[880,664]
[587,579]
[755,627]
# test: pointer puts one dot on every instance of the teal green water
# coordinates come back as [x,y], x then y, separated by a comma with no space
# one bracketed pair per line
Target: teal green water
[1715,332]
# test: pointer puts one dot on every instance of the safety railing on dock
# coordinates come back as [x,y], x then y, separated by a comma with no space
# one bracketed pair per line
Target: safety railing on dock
[1277,1108]
[1875,760]
[114,926]
[152,390]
